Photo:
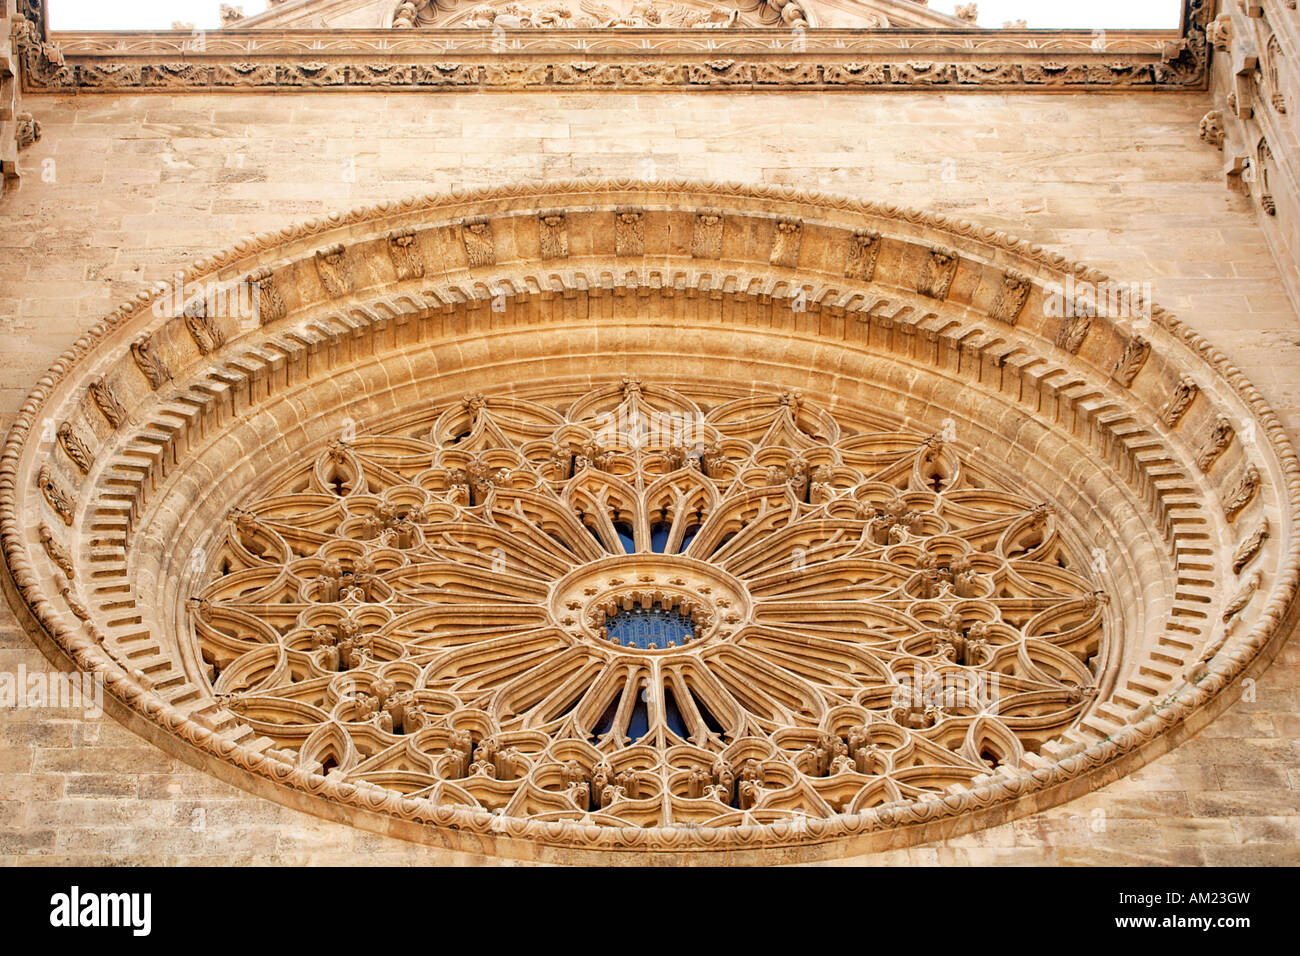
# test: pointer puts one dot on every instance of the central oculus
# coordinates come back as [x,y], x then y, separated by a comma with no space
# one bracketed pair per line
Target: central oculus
[650,628]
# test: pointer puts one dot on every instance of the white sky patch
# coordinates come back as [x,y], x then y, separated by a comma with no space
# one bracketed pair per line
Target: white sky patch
[1045,14]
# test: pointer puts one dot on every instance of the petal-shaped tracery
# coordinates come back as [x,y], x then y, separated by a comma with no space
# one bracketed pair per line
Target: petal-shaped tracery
[638,609]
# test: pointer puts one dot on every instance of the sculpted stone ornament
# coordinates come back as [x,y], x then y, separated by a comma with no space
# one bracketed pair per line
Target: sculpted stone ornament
[106,401]
[76,449]
[1136,352]
[29,130]
[60,555]
[480,247]
[629,232]
[706,240]
[785,243]
[404,251]
[1241,599]
[270,304]
[1181,399]
[1011,298]
[1219,438]
[1219,32]
[937,273]
[1250,547]
[332,267]
[1074,329]
[865,61]
[553,236]
[589,14]
[1212,130]
[58,499]
[69,595]
[1243,493]
[864,249]
[203,328]
[150,363]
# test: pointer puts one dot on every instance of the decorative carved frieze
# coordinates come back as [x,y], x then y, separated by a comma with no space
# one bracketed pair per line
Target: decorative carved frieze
[668,56]
[616,73]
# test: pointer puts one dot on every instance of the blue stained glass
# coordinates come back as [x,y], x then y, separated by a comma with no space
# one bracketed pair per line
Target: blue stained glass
[625,537]
[639,724]
[673,716]
[641,627]
[659,537]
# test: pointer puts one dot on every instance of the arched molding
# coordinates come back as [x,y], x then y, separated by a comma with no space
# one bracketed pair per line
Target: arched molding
[171,412]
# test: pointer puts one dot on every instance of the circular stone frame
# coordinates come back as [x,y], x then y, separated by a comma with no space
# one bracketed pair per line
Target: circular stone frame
[121,459]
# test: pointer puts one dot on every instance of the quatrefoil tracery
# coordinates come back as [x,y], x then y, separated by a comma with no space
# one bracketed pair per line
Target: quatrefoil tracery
[875,619]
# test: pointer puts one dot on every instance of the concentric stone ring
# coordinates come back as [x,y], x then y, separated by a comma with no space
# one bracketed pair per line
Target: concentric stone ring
[762,524]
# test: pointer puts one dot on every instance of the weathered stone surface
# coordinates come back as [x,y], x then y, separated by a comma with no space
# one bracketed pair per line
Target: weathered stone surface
[198,171]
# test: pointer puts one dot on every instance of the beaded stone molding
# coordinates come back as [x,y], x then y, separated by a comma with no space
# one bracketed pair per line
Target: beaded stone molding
[616,521]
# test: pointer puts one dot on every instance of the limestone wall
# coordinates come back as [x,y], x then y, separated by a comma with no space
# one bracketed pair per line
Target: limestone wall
[120,191]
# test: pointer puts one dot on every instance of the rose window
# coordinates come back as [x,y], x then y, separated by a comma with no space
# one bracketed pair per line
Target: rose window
[637,607]
[882,548]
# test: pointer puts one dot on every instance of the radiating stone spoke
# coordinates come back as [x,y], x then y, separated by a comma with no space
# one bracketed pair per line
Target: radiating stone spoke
[631,610]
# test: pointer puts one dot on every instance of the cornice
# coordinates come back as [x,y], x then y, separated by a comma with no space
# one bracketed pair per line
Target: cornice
[773,59]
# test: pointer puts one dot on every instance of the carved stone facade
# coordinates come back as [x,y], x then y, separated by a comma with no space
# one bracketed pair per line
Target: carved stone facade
[595,52]
[1256,84]
[414,615]
[627,519]
[20,23]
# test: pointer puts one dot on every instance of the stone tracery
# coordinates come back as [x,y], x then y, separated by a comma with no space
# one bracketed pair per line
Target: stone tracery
[428,612]
[122,612]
